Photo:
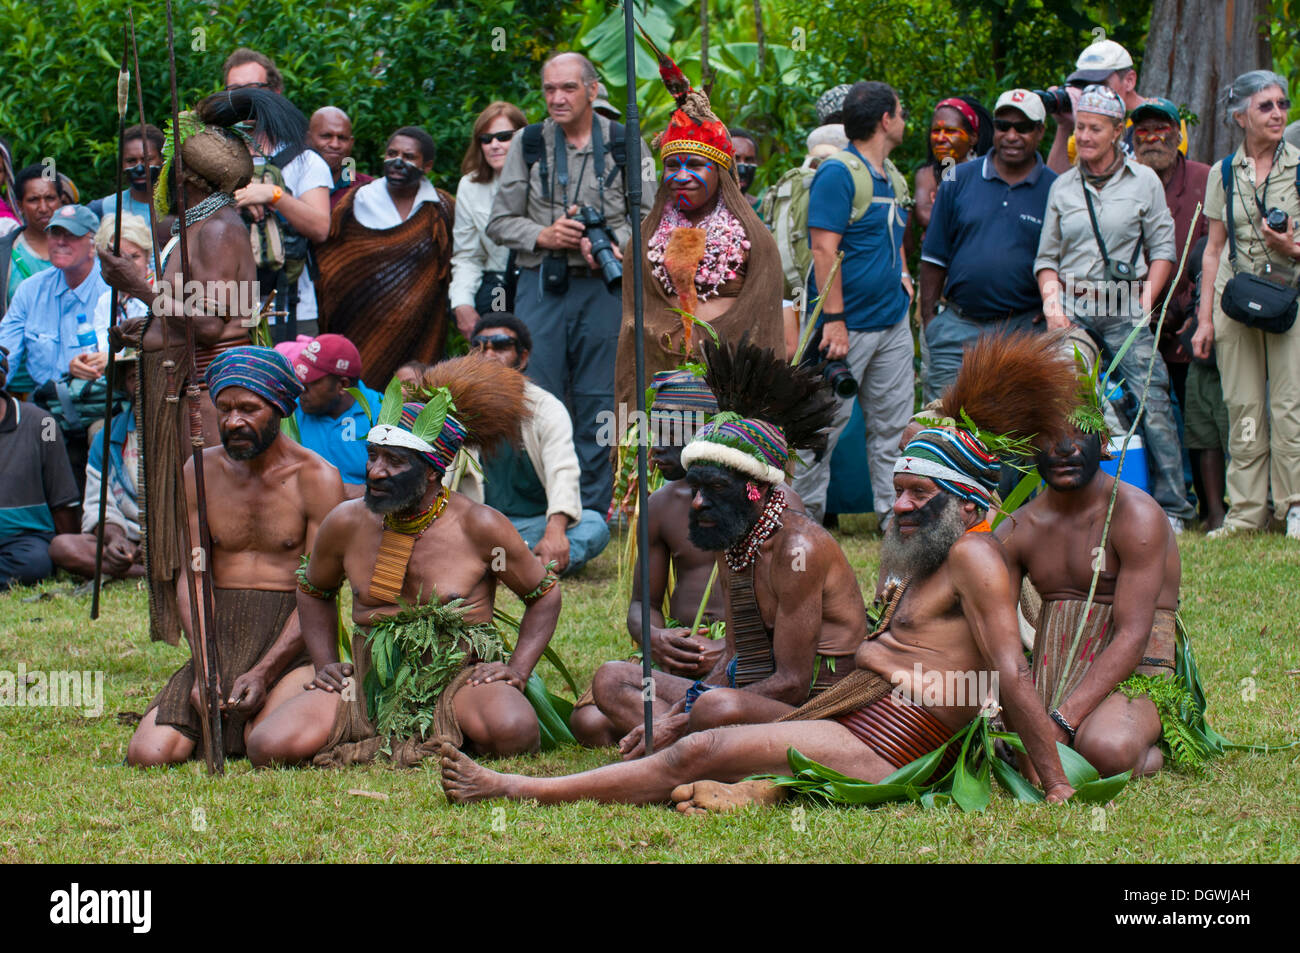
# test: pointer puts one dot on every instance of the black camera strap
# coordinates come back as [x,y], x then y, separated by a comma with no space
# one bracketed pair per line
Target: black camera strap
[1096,231]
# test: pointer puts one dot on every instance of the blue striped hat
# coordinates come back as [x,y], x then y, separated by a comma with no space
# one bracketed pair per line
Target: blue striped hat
[955,460]
[265,372]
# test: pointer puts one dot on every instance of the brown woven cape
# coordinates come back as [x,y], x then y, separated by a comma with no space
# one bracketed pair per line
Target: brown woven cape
[158,426]
[385,290]
[757,308]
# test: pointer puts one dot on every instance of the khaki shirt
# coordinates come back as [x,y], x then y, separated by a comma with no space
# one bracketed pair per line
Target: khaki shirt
[520,210]
[1129,206]
[1252,253]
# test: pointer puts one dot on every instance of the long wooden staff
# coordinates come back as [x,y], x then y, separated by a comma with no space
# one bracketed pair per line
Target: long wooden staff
[207,659]
[123,96]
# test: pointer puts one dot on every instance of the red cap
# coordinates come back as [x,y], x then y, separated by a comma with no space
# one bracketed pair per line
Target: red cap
[328,354]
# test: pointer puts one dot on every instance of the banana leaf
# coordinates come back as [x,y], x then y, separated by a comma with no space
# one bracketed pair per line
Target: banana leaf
[1028,483]
[552,720]
[1014,783]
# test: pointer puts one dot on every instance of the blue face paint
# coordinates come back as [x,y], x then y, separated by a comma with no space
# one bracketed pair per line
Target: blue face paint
[682,178]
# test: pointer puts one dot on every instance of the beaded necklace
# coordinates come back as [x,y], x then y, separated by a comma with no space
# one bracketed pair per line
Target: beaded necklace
[417,524]
[741,556]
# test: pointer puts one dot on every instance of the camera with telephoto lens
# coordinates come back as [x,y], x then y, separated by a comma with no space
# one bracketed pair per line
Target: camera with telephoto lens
[840,378]
[1055,101]
[602,248]
[1276,220]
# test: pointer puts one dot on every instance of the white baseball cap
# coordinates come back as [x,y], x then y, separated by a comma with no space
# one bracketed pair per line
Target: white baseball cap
[1024,100]
[1098,61]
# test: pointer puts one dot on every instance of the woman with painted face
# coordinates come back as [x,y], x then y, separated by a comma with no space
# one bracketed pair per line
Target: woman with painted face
[480,279]
[142,161]
[960,129]
[706,253]
[1259,365]
[1107,246]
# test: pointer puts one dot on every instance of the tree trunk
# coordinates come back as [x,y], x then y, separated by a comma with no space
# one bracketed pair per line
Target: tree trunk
[759,34]
[1195,48]
[705,84]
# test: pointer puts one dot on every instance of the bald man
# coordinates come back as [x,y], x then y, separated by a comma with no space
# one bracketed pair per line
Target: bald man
[330,133]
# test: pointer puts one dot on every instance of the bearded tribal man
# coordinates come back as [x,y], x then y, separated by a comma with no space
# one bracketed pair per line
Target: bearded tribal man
[682,404]
[793,609]
[268,497]
[424,564]
[221,262]
[949,611]
[1056,539]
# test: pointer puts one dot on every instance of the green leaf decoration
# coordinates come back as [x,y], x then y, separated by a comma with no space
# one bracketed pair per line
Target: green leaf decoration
[364,404]
[1015,784]
[1028,483]
[428,424]
[1077,769]
[1101,790]
[390,412]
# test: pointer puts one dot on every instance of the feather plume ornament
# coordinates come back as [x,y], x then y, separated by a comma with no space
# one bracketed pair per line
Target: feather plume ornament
[753,382]
[682,257]
[484,395]
[674,79]
[1011,389]
[258,114]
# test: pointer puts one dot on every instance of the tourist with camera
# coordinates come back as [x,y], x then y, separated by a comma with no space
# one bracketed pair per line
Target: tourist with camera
[1107,246]
[561,206]
[1248,305]
[863,331]
[977,261]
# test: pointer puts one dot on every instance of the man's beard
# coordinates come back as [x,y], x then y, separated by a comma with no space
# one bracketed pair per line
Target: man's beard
[730,511]
[939,525]
[1156,159]
[259,440]
[404,490]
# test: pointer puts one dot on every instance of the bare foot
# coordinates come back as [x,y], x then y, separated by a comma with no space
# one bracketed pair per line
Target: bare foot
[465,782]
[705,796]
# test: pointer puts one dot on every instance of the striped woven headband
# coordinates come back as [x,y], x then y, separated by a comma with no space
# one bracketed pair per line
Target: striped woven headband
[682,390]
[756,448]
[265,372]
[955,460]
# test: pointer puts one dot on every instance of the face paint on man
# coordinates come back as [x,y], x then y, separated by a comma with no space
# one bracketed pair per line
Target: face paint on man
[399,172]
[668,459]
[142,175]
[721,511]
[1072,462]
[938,525]
[401,489]
[693,180]
[949,141]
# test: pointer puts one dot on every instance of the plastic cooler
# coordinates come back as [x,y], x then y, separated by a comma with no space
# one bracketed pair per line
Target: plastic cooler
[1135,463]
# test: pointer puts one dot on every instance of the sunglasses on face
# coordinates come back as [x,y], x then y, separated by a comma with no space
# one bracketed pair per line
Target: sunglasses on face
[1267,107]
[233,86]
[494,342]
[1022,126]
[505,135]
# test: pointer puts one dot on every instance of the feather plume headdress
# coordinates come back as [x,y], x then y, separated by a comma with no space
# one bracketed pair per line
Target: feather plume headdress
[768,409]
[466,401]
[1011,389]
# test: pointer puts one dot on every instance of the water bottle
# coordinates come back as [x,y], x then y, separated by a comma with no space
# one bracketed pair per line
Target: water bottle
[87,340]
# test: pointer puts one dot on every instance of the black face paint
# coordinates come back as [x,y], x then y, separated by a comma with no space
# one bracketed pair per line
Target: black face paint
[1072,462]
[400,172]
[745,171]
[142,175]
[726,507]
[402,490]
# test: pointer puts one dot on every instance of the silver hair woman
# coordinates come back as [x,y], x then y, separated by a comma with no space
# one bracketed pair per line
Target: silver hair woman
[1259,370]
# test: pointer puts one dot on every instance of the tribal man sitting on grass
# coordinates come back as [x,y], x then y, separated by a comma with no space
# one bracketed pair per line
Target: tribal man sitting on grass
[794,613]
[424,564]
[1057,539]
[950,610]
[267,497]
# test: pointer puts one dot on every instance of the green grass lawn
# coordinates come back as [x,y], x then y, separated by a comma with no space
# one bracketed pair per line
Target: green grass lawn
[65,795]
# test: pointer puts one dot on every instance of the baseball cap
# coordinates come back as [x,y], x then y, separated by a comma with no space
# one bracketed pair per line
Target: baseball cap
[327,354]
[1099,61]
[602,105]
[1024,100]
[75,220]
[1156,106]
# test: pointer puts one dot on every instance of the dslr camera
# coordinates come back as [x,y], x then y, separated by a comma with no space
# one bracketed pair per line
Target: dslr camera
[602,246]
[1055,101]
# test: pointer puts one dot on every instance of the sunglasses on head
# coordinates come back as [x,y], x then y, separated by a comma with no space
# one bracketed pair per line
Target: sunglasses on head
[1022,126]
[505,135]
[494,342]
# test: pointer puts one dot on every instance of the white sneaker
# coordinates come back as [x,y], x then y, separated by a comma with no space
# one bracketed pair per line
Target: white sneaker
[1227,529]
[1293,523]
[1176,525]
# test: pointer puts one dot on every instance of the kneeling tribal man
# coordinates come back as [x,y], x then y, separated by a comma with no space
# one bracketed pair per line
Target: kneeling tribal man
[1130,627]
[267,497]
[950,609]
[424,564]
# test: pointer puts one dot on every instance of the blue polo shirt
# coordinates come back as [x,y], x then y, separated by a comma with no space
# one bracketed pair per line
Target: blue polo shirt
[872,270]
[41,323]
[985,233]
[341,440]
